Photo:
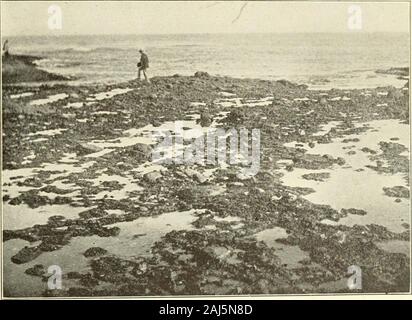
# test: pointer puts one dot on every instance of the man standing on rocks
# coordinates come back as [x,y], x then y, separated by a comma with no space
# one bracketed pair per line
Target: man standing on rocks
[143,65]
[6,49]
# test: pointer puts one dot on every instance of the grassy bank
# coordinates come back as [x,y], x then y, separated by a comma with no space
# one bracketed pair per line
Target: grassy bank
[21,68]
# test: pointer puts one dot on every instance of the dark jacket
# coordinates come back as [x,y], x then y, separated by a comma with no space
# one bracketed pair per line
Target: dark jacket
[144,61]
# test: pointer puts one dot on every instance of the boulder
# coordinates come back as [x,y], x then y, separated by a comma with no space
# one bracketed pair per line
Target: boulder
[199,177]
[354,211]
[323,101]
[205,119]
[86,148]
[37,270]
[108,232]
[152,176]
[94,252]
[26,254]
[396,192]
[201,74]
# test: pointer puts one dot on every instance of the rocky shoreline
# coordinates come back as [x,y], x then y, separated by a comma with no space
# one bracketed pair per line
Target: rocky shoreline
[77,151]
[22,68]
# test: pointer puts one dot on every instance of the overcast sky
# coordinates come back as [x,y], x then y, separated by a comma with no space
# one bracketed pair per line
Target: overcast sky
[150,17]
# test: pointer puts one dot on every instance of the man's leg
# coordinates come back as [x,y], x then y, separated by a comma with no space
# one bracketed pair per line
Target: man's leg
[145,75]
[138,74]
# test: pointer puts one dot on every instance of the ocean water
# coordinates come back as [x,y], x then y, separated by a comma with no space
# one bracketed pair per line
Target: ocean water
[318,60]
